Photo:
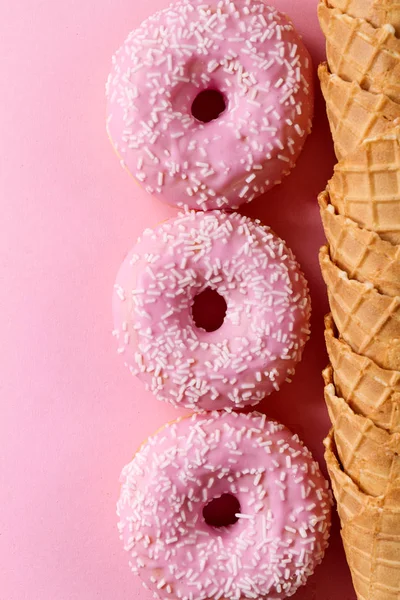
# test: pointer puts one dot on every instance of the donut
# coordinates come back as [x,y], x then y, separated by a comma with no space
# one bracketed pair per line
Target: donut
[262,328]
[209,103]
[224,506]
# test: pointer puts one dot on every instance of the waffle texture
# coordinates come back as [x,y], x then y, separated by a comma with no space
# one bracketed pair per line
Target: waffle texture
[369,455]
[368,389]
[359,52]
[370,532]
[354,114]
[367,320]
[366,185]
[376,12]
[360,213]
[361,253]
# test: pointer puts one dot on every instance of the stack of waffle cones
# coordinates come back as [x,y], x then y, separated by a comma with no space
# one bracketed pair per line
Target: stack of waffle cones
[360,211]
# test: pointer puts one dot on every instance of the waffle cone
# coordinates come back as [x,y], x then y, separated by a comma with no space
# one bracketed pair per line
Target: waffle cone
[368,389]
[366,185]
[354,114]
[370,529]
[357,51]
[376,12]
[359,252]
[369,454]
[367,320]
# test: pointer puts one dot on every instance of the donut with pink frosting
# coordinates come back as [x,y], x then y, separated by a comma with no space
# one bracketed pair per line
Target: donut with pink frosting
[209,103]
[225,264]
[224,506]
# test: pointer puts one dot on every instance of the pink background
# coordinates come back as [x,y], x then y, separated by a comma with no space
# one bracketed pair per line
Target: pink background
[71,415]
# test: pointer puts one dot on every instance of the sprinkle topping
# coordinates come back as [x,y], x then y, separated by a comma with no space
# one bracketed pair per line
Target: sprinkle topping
[278,537]
[267,311]
[244,50]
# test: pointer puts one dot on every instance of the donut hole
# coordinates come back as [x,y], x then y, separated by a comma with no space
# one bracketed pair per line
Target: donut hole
[222,511]
[209,310]
[208,105]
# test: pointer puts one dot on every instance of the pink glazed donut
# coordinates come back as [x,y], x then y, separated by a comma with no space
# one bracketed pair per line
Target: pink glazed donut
[224,507]
[209,103]
[208,257]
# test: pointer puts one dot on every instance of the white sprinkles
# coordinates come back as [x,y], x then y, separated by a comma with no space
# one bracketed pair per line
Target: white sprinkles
[266,323]
[244,49]
[279,537]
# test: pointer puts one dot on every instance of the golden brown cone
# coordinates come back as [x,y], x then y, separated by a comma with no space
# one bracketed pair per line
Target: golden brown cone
[363,55]
[354,114]
[376,12]
[367,320]
[369,454]
[368,389]
[370,529]
[361,253]
[366,185]
[357,51]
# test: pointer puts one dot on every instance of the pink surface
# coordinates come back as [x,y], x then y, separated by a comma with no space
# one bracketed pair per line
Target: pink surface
[70,414]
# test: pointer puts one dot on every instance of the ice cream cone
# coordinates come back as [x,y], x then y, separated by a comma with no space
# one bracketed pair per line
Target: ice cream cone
[357,51]
[367,320]
[370,529]
[376,12]
[369,454]
[368,389]
[354,114]
[366,185]
[361,268]
[359,252]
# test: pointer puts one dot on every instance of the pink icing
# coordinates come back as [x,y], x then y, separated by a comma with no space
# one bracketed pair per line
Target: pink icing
[266,323]
[283,526]
[253,56]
